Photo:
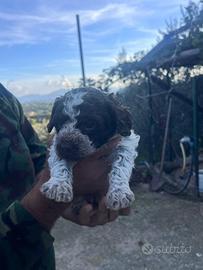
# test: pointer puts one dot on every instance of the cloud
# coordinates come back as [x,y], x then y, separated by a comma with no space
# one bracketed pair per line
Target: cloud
[123,12]
[60,82]
[49,22]
[40,85]
[106,28]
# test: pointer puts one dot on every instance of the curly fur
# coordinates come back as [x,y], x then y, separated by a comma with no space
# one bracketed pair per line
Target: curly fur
[84,119]
[72,145]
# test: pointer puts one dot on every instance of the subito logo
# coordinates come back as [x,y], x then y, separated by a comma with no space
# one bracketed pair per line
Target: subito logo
[147,249]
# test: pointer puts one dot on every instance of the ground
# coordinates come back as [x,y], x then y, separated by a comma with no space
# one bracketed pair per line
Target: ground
[163,232]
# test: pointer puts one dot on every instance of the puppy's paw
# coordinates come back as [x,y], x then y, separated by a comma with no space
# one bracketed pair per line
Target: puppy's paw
[118,198]
[57,190]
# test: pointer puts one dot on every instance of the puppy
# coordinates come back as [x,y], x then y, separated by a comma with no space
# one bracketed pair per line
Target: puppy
[84,119]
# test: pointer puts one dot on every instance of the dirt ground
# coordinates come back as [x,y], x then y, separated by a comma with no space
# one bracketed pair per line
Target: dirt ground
[163,232]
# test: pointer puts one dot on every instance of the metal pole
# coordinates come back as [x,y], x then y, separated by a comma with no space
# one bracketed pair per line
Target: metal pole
[81,52]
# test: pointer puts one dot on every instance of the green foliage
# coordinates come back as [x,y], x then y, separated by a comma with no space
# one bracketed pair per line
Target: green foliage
[136,98]
[134,78]
[128,71]
[38,114]
[135,95]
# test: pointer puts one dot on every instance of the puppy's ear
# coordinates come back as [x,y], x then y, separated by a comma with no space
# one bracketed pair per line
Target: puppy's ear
[57,116]
[123,117]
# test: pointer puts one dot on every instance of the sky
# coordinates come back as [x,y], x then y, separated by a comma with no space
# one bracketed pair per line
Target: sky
[39,50]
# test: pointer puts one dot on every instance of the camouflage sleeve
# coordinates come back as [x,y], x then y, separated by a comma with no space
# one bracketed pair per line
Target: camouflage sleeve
[36,147]
[12,113]
[22,154]
[23,242]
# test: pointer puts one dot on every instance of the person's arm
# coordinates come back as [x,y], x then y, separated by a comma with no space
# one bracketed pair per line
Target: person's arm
[23,239]
[25,225]
[90,177]
[22,154]
[24,230]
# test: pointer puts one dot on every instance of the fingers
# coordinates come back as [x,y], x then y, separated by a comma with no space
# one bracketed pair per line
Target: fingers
[70,215]
[81,218]
[102,205]
[88,216]
[102,215]
[85,214]
[112,215]
[107,148]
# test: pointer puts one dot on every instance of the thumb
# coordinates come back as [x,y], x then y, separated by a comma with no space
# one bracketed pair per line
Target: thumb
[106,149]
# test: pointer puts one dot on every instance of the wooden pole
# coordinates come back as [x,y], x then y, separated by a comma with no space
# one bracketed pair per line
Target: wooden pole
[151,122]
[165,137]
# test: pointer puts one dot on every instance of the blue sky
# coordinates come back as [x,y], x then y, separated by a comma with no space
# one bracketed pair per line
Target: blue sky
[39,46]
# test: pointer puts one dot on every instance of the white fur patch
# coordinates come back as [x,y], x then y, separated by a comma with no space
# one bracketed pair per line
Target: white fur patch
[59,186]
[73,99]
[119,194]
[60,191]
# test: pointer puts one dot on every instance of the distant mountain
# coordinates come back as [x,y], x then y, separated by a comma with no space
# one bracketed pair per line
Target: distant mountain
[42,98]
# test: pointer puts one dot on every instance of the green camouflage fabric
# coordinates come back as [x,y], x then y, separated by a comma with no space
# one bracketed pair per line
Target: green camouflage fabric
[23,241]
[22,156]
[22,153]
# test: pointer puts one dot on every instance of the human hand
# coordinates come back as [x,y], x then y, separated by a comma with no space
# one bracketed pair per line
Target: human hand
[90,177]
[90,216]
[91,174]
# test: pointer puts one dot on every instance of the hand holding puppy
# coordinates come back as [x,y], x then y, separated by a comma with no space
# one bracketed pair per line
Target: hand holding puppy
[90,176]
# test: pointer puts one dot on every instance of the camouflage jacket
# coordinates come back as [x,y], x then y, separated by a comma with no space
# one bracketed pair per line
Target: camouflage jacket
[23,243]
[22,154]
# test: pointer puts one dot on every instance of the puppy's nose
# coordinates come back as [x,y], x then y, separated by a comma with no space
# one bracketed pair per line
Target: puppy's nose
[73,145]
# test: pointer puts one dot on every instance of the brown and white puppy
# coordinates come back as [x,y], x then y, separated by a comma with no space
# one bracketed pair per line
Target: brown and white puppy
[84,119]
